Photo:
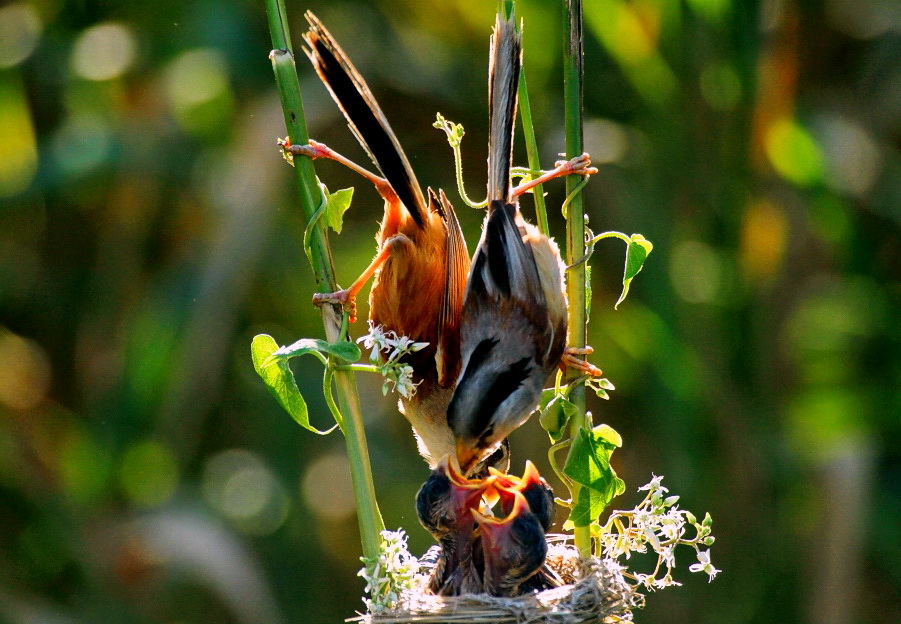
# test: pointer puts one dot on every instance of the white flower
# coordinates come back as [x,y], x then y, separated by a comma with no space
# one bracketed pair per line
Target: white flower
[374,340]
[704,565]
[404,384]
[390,573]
[654,485]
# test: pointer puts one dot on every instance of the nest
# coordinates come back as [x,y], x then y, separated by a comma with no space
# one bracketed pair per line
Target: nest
[595,593]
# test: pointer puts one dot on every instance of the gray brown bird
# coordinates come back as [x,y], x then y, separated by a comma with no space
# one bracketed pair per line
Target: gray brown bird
[514,320]
[443,506]
[514,548]
[420,268]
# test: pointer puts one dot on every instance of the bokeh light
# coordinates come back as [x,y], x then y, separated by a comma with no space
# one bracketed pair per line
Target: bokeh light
[18,146]
[764,235]
[83,143]
[25,373]
[853,159]
[148,473]
[696,272]
[606,140]
[793,152]
[20,30]
[244,489]
[198,89]
[326,487]
[104,51]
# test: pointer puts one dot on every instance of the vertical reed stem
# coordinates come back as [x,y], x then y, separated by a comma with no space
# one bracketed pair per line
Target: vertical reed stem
[576,286]
[368,515]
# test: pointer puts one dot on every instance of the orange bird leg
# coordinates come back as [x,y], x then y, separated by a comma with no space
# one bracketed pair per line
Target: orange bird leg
[347,298]
[580,165]
[315,149]
[570,359]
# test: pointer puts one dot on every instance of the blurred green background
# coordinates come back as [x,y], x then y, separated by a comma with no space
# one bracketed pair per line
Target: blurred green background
[148,229]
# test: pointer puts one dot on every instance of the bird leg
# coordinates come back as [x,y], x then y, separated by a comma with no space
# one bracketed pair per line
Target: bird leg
[571,359]
[580,165]
[347,298]
[315,149]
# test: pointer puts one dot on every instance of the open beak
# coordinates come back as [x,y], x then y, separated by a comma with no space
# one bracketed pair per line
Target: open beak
[496,531]
[467,493]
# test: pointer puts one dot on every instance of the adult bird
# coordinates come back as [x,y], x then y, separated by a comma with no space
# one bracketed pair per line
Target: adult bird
[420,267]
[514,320]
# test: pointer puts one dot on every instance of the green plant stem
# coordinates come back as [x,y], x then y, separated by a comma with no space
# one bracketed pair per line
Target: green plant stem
[368,515]
[525,113]
[576,285]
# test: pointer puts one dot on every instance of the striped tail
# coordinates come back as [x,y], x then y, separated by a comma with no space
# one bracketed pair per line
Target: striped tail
[503,80]
[365,117]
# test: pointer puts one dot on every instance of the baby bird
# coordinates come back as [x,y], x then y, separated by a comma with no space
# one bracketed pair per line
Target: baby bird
[514,320]
[419,271]
[443,506]
[540,497]
[514,548]
[533,487]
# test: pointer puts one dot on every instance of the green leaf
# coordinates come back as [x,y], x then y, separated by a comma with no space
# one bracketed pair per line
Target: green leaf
[555,416]
[636,253]
[347,351]
[337,205]
[277,376]
[588,465]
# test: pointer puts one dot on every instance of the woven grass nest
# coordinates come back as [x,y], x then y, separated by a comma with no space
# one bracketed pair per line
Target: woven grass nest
[594,592]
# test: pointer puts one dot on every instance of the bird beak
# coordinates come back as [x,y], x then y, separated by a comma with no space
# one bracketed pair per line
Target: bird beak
[467,493]
[496,531]
[448,467]
[531,475]
[467,456]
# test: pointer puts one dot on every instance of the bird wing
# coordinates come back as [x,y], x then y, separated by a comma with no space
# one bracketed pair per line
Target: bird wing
[447,355]
[364,116]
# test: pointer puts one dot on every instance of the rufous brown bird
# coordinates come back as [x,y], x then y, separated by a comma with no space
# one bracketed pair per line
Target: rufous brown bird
[420,269]
[514,320]
[514,548]
[443,506]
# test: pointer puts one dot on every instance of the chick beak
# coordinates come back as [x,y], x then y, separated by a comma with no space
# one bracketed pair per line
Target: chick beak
[467,494]
[496,531]
[501,480]
[531,476]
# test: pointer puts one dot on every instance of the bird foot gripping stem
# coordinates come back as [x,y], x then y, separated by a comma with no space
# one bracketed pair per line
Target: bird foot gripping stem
[571,359]
[344,298]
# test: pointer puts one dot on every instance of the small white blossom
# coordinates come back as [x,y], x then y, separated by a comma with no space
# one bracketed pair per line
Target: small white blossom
[659,524]
[374,340]
[392,369]
[704,565]
[654,485]
[390,574]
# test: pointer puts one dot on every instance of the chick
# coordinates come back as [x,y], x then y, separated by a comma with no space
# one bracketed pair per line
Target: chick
[443,506]
[533,487]
[514,548]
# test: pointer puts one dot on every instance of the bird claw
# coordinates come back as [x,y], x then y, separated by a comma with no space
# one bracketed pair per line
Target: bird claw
[313,149]
[570,359]
[580,165]
[344,298]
